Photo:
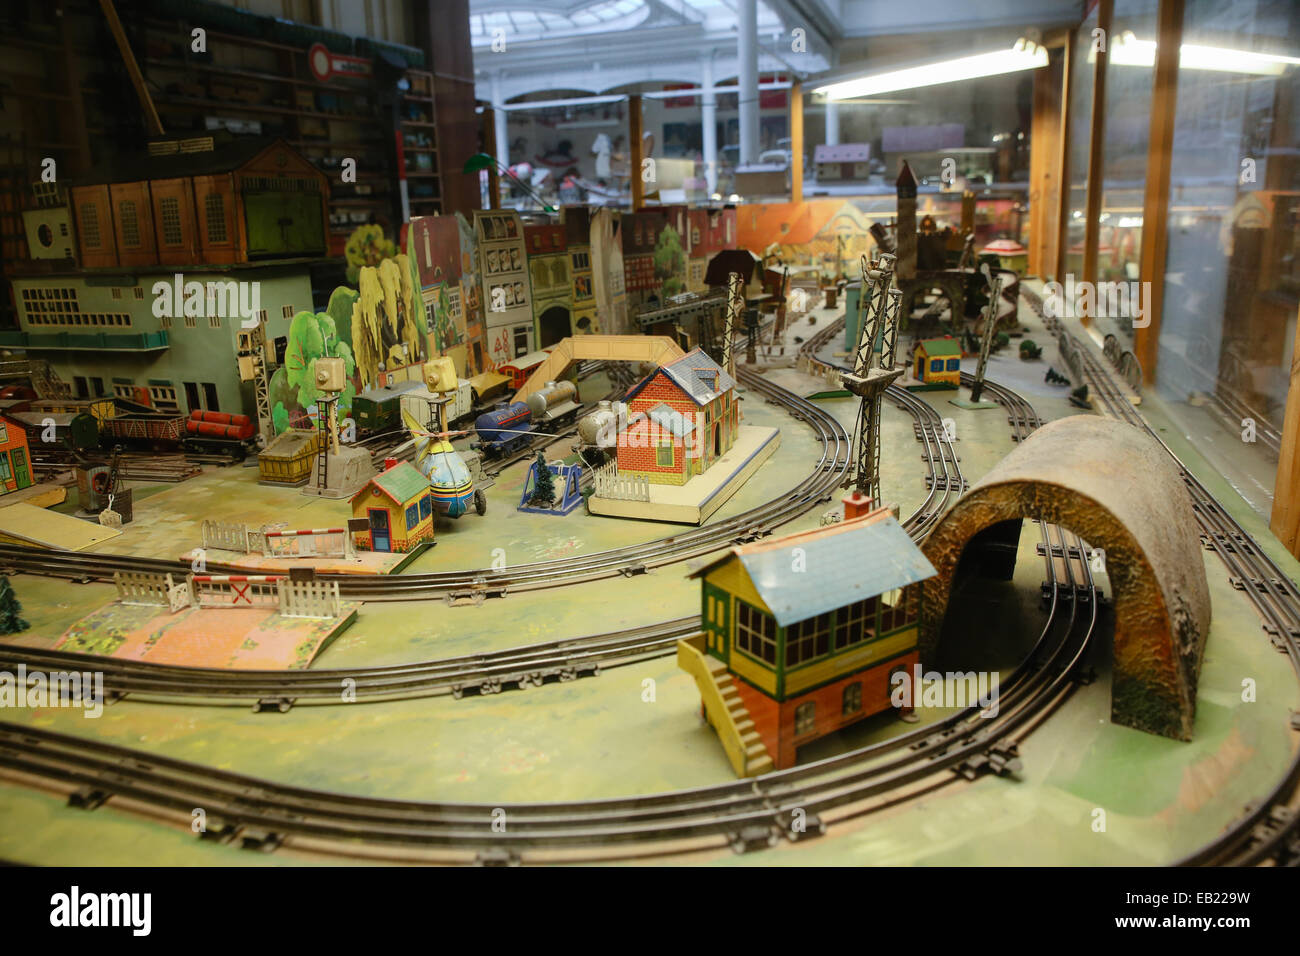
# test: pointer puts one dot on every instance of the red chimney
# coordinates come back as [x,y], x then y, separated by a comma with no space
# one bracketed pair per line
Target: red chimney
[390,463]
[856,505]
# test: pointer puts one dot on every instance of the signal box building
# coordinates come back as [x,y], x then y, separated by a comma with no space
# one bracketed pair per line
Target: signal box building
[807,651]
[681,419]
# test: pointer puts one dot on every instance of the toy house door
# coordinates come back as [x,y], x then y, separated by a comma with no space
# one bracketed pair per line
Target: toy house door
[379,537]
[22,477]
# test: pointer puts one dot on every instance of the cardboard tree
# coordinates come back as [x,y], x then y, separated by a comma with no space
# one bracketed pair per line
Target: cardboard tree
[10,609]
[544,490]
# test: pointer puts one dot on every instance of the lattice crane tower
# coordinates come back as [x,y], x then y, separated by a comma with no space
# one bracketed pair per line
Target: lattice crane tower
[250,347]
[735,306]
[877,319]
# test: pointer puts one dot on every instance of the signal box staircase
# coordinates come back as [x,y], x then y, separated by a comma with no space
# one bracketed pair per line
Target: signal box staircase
[724,709]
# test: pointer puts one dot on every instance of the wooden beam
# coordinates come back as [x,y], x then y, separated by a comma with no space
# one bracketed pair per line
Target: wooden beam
[1096,156]
[1046,146]
[1063,205]
[634,134]
[1285,520]
[151,121]
[796,142]
[1155,204]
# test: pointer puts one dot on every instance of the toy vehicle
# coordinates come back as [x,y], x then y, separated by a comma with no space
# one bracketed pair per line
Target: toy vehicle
[74,433]
[379,409]
[155,430]
[218,433]
[521,367]
[598,433]
[504,429]
[555,404]
[450,482]
[423,404]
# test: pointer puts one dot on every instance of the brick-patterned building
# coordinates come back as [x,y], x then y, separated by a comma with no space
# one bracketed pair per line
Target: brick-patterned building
[680,420]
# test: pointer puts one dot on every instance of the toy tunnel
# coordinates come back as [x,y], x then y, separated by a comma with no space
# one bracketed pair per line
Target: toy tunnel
[1114,487]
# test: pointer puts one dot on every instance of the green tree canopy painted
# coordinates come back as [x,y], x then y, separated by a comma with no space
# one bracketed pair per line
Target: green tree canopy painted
[312,335]
[670,262]
[11,610]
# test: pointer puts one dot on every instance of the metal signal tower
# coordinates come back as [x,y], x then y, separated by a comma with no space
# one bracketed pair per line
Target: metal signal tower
[735,306]
[250,345]
[877,319]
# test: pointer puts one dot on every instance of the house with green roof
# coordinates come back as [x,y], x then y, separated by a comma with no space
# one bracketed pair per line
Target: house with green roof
[397,506]
[937,362]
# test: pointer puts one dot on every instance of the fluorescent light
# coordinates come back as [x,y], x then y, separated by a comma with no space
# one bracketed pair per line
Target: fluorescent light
[1128,50]
[1022,56]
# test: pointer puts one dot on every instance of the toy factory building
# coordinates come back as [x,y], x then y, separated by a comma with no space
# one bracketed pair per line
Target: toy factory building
[681,419]
[787,657]
[503,267]
[445,256]
[577,222]
[235,215]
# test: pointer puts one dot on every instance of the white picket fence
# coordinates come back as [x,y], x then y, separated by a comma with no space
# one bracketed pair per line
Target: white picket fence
[151,590]
[235,590]
[226,536]
[309,543]
[310,599]
[610,484]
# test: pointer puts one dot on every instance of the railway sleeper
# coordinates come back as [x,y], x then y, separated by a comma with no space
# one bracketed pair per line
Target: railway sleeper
[279,705]
[258,839]
[219,830]
[89,798]
[498,856]
[1002,759]
[750,838]
[632,570]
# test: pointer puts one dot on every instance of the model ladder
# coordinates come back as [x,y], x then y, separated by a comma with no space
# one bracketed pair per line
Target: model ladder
[877,320]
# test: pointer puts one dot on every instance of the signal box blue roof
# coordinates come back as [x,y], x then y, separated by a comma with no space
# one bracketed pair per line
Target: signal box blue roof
[842,563]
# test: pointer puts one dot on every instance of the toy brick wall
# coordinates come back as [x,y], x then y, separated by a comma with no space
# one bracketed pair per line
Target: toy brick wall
[828,700]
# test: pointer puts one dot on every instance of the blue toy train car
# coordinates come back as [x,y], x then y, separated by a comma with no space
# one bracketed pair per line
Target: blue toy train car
[504,428]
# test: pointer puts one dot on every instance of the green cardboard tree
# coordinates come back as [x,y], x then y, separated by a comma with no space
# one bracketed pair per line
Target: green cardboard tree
[544,489]
[10,609]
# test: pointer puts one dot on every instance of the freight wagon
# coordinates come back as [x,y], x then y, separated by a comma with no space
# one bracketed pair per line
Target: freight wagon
[54,431]
[218,433]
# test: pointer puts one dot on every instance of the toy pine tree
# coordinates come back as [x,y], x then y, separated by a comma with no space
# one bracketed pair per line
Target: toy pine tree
[10,622]
[544,490]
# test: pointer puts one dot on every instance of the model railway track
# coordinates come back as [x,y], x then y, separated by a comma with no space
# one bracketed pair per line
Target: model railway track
[745,815]
[1269,830]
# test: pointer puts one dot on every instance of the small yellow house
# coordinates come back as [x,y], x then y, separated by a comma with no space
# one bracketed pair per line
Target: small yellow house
[398,506]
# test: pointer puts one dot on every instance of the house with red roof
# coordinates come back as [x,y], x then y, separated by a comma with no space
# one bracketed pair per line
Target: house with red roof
[681,418]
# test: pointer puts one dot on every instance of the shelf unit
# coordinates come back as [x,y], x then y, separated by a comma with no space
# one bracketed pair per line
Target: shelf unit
[418,123]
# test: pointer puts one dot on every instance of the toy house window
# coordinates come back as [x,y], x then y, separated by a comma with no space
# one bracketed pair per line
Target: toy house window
[851,702]
[117,292]
[892,614]
[89,224]
[215,208]
[97,386]
[755,632]
[170,207]
[5,472]
[807,639]
[4,434]
[121,390]
[805,718]
[854,623]
[287,311]
[954,364]
[426,507]
[210,397]
[412,516]
[936,365]
[130,220]
[521,341]
[214,321]
[138,291]
[664,455]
